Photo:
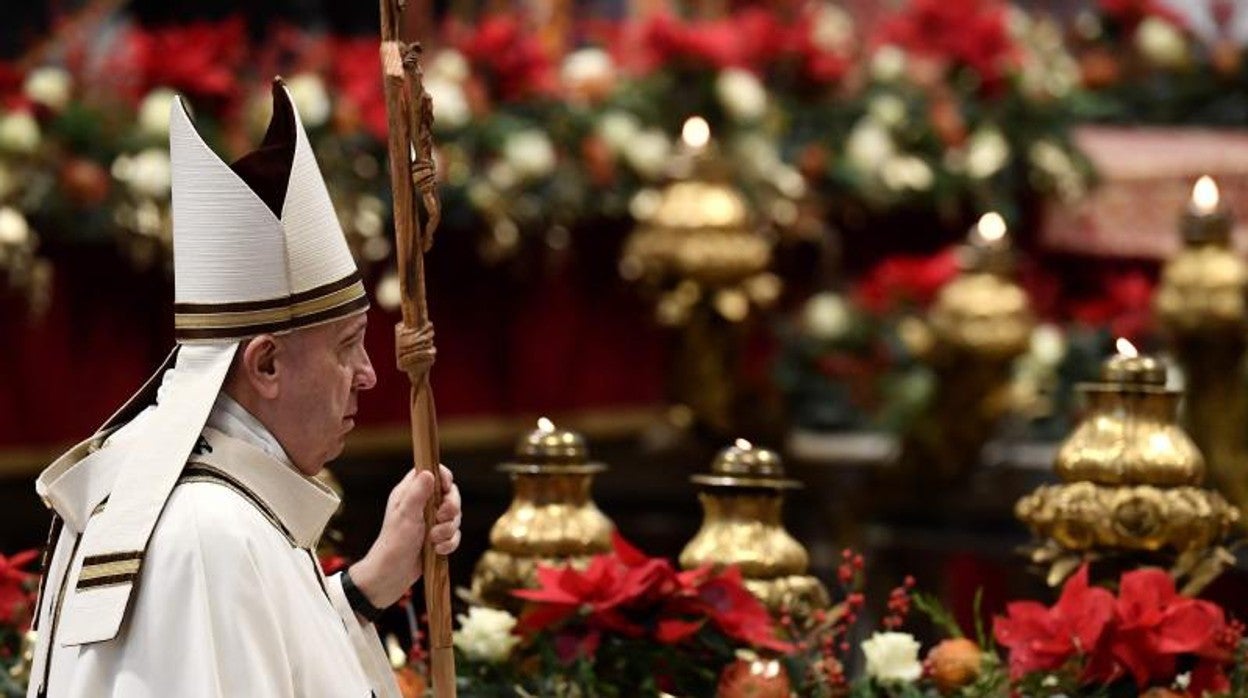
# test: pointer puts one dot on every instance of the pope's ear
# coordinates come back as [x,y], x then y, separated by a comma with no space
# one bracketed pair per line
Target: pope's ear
[259,365]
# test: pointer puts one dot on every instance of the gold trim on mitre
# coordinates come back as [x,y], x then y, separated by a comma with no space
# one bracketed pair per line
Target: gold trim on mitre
[222,321]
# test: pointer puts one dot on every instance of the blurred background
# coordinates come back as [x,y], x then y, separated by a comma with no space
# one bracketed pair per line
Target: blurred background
[884,239]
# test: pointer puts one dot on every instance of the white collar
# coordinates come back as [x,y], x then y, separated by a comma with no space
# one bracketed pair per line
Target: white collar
[232,419]
[299,505]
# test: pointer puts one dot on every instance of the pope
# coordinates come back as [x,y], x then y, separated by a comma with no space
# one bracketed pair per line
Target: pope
[181,559]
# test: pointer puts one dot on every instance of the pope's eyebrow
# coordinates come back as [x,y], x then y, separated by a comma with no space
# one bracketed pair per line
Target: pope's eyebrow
[354,334]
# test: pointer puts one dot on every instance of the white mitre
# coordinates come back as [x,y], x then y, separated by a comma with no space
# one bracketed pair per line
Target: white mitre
[257,249]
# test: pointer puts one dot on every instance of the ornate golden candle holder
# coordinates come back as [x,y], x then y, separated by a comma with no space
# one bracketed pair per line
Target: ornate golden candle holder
[742,499]
[980,323]
[1200,306]
[700,250]
[552,519]
[1131,477]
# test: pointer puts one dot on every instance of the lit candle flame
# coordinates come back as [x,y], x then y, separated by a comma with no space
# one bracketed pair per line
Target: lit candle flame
[991,227]
[744,445]
[1205,195]
[696,132]
[1126,348]
[544,424]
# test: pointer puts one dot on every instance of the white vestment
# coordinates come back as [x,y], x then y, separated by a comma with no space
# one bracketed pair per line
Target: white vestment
[230,600]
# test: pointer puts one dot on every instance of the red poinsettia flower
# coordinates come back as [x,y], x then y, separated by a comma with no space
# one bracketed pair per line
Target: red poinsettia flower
[1044,639]
[515,61]
[1124,305]
[969,33]
[600,593]
[737,612]
[16,598]
[628,593]
[904,280]
[356,76]
[1129,13]
[1156,625]
[663,40]
[201,59]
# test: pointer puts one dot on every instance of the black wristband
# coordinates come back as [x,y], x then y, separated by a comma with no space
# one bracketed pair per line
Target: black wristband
[358,601]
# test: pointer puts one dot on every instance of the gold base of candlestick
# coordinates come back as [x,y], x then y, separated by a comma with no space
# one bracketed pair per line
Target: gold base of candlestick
[799,595]
[1082,516]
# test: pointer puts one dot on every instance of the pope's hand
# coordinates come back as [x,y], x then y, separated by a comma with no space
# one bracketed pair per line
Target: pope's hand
[393,563]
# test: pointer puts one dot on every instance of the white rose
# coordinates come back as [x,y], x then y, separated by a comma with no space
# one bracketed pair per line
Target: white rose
[833,29]
[449,64]
[986,153]
[530,153]
[19,133]
[587,65]
[826,316]
[154,112]
[485,634]
[310,98]
[450,104]
[618,129]
[1048,345]
[48,86]
[906,172]
[889,110]
[893,657]
[13,227]
[869,146]
[741,93]
[149,173]
[649,152]
[1161,43]
[888,63]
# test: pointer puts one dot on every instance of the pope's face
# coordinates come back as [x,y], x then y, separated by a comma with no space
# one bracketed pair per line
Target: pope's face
[325,368]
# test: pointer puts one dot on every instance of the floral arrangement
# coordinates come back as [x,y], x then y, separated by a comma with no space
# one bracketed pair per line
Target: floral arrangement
[849,359]
[627,622]
[533,145]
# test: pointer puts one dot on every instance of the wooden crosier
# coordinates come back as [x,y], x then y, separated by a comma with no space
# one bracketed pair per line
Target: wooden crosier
[412,169]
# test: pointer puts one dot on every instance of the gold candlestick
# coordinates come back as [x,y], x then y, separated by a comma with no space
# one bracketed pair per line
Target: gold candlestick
[981,322]
[699,248]
[742,498]
[1200,306]
[1131,476]
[552,519]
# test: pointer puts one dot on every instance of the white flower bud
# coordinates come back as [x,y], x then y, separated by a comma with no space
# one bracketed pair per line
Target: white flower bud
[14,230]
[49,86]
[310,98]
[741,93]
[19,133]
[154,112]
